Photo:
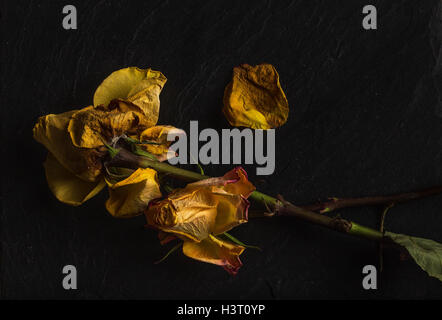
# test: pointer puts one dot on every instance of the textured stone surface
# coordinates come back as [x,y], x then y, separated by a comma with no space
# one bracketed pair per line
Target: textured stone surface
[365,119]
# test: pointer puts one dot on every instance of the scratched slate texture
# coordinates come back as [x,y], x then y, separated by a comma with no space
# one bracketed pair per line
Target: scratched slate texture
[365,119]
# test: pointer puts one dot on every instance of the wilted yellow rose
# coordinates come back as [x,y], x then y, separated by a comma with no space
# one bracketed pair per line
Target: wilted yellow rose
[201,211]
[126,103]
[254,98]
[74,174]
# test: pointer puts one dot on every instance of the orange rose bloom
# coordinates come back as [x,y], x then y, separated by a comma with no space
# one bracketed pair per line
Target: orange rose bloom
[200,212]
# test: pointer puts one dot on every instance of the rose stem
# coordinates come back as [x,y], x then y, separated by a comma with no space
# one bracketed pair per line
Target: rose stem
[125,158]
[337,203]
[282,207]
[334,204]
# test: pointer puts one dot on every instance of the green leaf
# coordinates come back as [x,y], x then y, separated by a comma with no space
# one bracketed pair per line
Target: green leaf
[150,142]
[135,141]
[197,163]
[201,169]
[112,151]
[117,173]
[232,238]
[168,253]
[168,188]
[131,140]
[140,152]
[425,252]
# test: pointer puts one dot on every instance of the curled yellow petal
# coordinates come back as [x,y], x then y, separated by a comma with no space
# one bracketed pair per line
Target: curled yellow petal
[190,215]
[67,187]
[129,197]
[91,127]
[161,215]
[216,251]
[158,135]
[254,98]
[210,206]
[241,184]
[52,131]
[232,210]
[141,87]
[235,181]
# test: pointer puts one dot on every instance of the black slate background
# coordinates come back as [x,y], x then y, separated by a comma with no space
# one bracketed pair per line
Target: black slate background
[365,119]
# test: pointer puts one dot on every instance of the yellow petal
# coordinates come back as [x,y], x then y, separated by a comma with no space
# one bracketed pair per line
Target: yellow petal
[52,131]
[254,98]
[140,87]
[67,187]
[210,206]
[231,211]
[158,134]
[240,182]
[216,251]
[129,197]
[190,215]
[235,182]
[91,127]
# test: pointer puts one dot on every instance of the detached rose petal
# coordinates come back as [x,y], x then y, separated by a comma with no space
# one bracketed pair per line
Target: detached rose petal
[254,98]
